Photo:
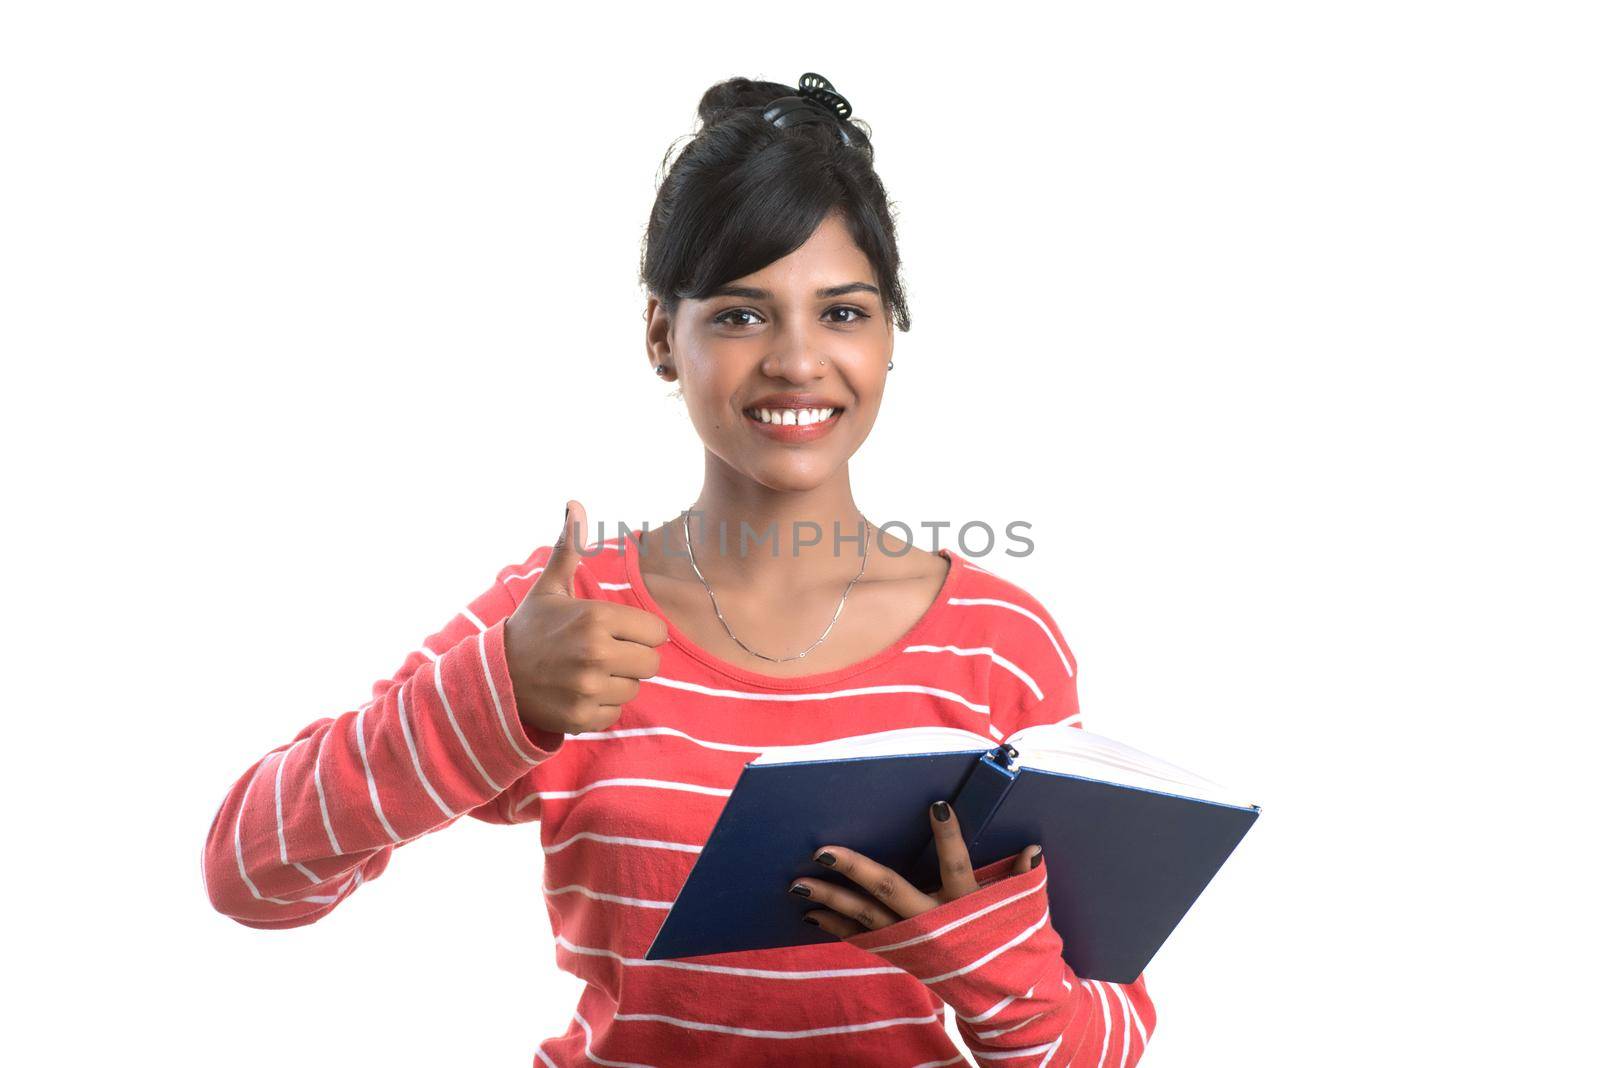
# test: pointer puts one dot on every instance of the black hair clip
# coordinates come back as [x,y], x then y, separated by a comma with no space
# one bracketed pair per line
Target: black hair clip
[816,100]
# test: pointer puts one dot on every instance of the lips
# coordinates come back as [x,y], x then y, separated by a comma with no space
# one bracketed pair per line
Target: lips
[793,418]
[797,399]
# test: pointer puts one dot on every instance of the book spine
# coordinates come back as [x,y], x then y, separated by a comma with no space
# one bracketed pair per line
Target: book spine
[983,792]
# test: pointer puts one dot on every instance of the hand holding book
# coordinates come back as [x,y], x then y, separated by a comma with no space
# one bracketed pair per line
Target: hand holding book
[888,896]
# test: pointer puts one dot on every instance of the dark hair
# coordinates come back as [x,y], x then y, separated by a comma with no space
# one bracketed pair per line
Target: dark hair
[744,193]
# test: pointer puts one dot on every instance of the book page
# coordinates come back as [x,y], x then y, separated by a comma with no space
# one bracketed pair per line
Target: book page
[1074,751]
[900,742]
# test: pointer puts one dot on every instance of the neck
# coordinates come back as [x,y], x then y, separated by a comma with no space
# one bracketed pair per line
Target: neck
[752,532]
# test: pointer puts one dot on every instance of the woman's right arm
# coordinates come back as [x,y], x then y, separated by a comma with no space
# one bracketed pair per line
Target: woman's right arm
[313,819]
[480,704]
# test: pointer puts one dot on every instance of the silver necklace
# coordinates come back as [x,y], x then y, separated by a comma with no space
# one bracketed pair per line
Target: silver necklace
[689,541]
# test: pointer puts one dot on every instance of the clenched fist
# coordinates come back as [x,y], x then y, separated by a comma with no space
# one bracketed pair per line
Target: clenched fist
[575,661]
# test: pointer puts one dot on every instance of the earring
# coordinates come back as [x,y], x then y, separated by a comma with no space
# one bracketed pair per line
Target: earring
[891,365]
[660,370]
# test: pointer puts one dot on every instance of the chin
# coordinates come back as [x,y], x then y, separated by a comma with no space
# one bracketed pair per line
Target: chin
[792,478]
[787,474]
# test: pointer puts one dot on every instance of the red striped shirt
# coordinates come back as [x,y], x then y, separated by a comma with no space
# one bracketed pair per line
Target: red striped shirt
[622,814]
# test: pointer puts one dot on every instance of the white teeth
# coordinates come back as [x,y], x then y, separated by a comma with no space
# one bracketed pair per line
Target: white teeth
[793,416]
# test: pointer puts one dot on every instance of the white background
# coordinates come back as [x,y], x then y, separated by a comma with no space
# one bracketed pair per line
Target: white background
[1276,320]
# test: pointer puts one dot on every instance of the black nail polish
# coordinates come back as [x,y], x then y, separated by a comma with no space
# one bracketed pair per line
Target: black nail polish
[1037,857]
[800,888]
[825,857]
[941,811]
[812,920]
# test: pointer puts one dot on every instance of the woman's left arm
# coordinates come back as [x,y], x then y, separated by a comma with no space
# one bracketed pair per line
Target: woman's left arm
[985,945]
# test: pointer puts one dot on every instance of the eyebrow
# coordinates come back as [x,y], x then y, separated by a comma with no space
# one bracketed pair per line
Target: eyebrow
[754,293]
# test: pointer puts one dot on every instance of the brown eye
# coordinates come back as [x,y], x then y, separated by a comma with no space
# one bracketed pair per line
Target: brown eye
[724,317]
[857,312]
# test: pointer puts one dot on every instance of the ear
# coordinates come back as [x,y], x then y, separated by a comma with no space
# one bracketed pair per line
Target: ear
[658,338]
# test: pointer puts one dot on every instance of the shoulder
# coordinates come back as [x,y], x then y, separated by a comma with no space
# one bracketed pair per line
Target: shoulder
[1037,676]
[1005,611]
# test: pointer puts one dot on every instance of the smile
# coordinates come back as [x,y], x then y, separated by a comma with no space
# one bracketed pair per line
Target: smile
[793,424]
[792,416]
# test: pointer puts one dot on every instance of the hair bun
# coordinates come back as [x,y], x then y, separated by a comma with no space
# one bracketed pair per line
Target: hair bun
[735,93]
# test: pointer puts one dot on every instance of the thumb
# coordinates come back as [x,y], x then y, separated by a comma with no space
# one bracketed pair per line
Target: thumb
[564,559]
[1026,860]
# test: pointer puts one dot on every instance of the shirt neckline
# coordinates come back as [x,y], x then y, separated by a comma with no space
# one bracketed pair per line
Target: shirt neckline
[931,615]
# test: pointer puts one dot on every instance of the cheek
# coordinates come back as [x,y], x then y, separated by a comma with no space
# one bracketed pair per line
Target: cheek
[869,390]
[718,409]
[707,404]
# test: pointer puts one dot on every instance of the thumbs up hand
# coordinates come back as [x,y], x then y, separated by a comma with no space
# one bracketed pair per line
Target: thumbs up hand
[575,661]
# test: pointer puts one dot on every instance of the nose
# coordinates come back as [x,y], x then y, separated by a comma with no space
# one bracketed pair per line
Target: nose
[794,356]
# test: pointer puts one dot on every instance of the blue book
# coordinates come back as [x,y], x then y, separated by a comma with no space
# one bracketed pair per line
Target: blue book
[1131,840]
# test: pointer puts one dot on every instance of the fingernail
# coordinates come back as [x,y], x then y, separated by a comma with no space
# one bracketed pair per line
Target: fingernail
[824,857]
[1038,855]
[812,920]
[800,888]
[941,811]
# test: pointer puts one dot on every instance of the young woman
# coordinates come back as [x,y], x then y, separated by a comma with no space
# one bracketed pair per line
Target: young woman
[611,693]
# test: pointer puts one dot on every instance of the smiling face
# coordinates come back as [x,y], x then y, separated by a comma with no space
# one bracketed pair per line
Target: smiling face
[783,370]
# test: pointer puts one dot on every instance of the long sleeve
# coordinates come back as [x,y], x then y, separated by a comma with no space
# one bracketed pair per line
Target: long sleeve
[314,818]
[995,958]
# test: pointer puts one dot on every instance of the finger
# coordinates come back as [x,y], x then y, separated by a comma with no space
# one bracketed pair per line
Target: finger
[955,866]
[564,558]
[834,923]
[630,660]
[848,904]
[1027,859]
[884,886]
[616,691]
[631,624]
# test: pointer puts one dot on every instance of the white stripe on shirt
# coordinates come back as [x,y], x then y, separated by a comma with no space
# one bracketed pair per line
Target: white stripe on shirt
[1018,608]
